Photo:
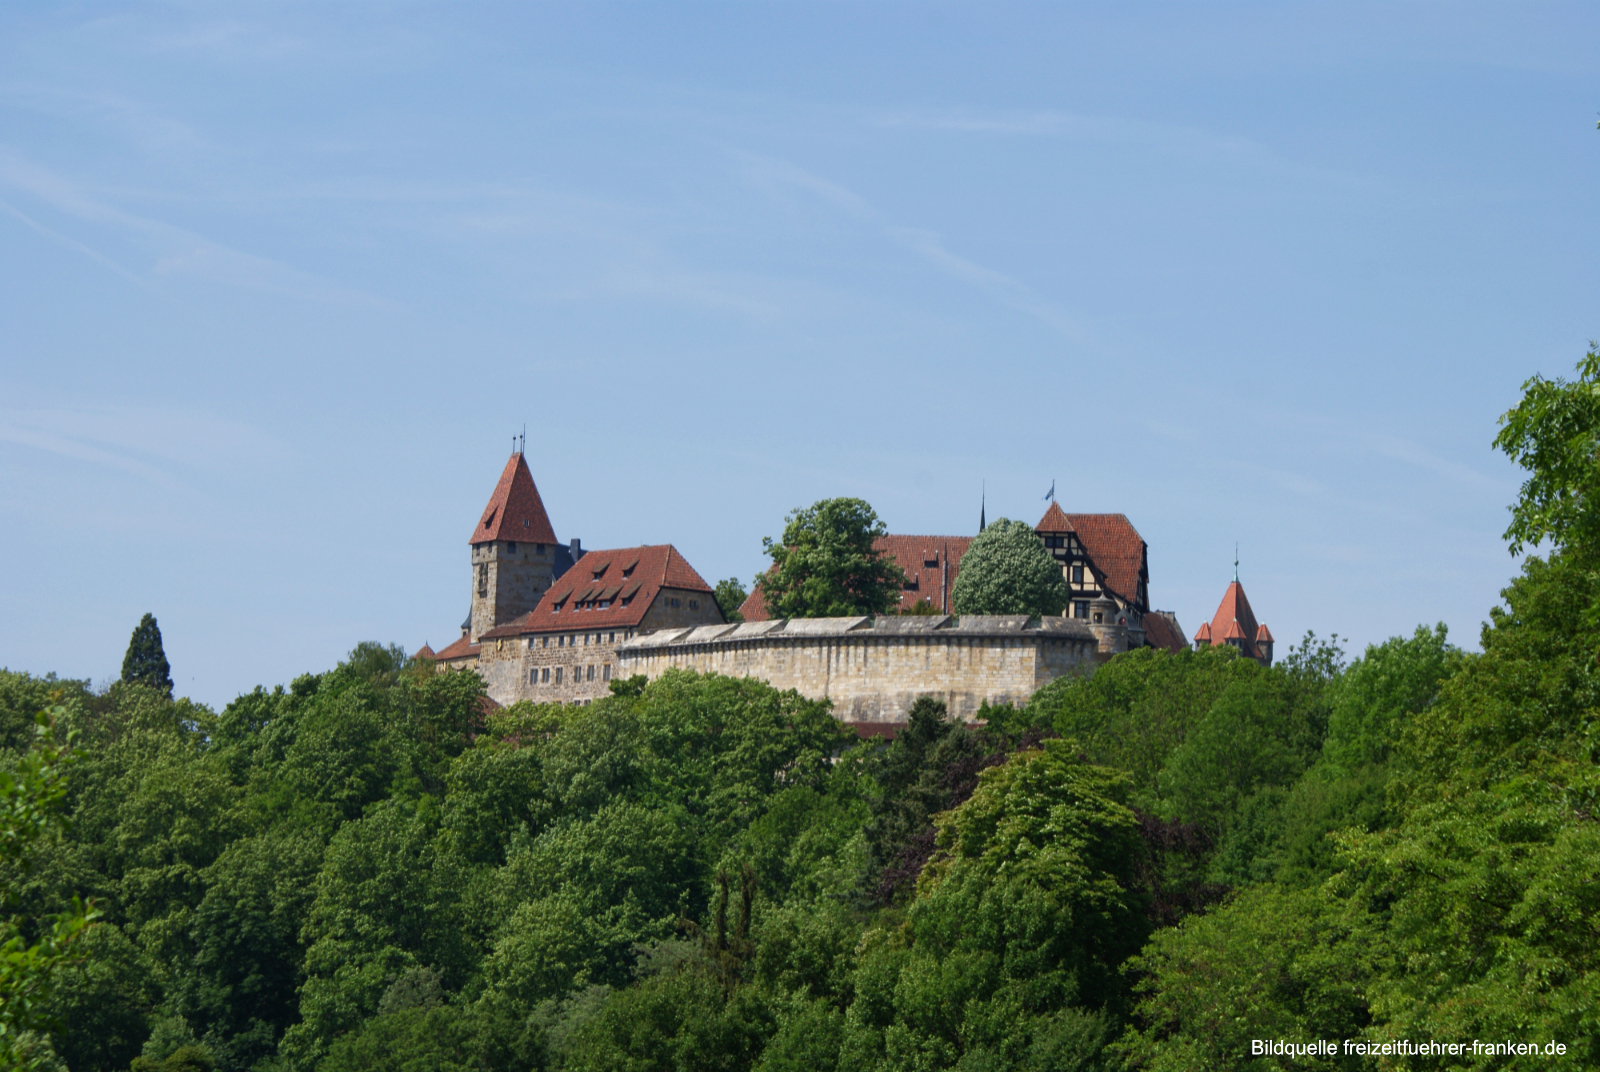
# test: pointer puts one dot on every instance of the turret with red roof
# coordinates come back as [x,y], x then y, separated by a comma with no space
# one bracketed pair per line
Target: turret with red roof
[1235,624]
[515,554]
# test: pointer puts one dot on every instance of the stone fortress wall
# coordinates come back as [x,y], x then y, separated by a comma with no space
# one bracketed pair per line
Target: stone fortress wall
[874,669]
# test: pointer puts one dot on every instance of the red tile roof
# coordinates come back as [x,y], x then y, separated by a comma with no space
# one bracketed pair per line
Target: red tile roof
[1054,520]
[1161,631]
[930,563]
[629,578]
[1263,635]
[1234,620]
[515,511]
[461,649]
[1113,544]
[424,652]
[1203,634]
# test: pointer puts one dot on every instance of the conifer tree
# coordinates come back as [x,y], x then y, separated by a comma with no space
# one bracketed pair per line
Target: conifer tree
[146,662]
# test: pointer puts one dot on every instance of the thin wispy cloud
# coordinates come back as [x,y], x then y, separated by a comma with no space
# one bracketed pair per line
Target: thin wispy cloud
[73,244]
[176,250]
[1189,141]
[156,444]
[926,244]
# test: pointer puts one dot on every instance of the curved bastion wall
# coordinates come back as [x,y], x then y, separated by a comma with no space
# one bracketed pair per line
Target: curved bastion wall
[874,669]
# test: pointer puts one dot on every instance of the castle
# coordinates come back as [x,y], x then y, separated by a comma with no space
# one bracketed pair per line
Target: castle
[552,622]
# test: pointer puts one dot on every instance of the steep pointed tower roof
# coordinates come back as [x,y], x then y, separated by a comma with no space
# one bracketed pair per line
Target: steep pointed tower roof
[1234,619]
[515,511]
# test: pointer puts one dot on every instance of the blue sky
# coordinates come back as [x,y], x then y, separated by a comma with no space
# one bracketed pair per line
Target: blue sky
[279,283]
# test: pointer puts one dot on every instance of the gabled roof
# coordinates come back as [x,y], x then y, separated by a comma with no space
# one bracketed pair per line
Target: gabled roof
[1113,544]
[922,558]
[461,649]
[624,575]
[515,511]
[1054,520]
[424,652]
[1203,634]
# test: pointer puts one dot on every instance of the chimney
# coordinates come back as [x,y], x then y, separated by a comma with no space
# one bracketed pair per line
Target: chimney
[577,549]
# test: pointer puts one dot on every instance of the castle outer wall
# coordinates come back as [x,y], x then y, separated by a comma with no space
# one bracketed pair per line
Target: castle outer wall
[874,669]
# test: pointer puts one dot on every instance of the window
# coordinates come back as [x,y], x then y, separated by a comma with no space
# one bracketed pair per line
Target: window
[1080,609]
[547,675]
[483,579]
[694,604]
[1098,617]
[626,600]
[1053,541]
[545,643]
[591,671]
[558,675]
[511,546]
[538,548]
[604,603]
[533,676]
[561,641]
[613,637]
[605,672]
[1077,574]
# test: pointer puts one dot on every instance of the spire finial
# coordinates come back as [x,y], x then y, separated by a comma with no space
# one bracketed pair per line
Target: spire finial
[1236,562]
[983,506]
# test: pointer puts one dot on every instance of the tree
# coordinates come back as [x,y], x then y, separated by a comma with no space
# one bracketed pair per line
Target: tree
[1554,433]
[730,595]
[31,796]
[826,566]
[146,662]
[1006,570]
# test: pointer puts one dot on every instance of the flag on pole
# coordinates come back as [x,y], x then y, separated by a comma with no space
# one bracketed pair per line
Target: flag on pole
[1050,495]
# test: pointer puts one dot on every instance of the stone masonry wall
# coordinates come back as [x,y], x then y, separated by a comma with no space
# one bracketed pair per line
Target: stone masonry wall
[577,665]
[513,581]
[874,670]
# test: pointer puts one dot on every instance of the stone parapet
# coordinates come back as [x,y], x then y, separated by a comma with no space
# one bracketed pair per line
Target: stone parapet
[874,669]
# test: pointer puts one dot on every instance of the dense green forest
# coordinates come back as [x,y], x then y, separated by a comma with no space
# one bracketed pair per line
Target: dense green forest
[1146,868]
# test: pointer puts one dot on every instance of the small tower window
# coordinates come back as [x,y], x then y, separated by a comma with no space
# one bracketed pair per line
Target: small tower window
[511,547]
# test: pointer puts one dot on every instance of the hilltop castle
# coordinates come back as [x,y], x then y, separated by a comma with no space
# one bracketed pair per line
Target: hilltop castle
[552,622]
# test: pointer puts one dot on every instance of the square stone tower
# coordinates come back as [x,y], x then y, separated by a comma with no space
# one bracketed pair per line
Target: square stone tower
[515,557]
